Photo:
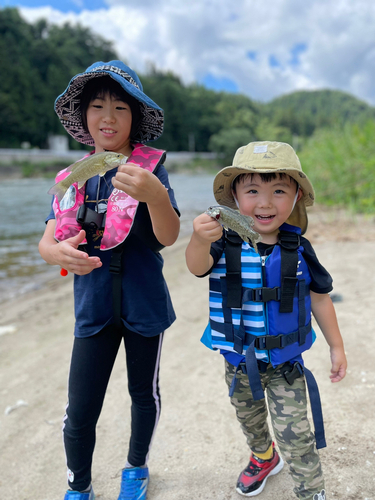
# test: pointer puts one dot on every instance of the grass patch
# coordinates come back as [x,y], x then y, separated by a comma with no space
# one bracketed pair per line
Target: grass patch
[341,166]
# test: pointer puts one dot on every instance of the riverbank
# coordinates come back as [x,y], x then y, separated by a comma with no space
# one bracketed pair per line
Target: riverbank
[21,163]
[199,449]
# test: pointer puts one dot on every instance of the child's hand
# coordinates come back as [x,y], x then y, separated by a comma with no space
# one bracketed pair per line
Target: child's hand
[69,257]
[138,183]
[207,229]
[339,364]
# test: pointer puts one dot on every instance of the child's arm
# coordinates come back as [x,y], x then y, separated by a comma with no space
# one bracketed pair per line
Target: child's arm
[325,315]
[144,186]
[206,231]
[66,253]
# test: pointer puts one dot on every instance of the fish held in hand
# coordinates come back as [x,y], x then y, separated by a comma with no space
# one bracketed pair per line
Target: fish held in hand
[232,219]
[82,170]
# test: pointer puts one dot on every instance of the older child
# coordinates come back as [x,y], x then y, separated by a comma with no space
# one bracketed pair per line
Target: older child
[260,311]
[109,233]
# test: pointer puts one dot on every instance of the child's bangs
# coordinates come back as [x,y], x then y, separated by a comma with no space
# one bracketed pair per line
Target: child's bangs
[98,88]
[265,177]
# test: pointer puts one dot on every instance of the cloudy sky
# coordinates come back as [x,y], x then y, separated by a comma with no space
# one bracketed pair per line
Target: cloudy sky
[261,48]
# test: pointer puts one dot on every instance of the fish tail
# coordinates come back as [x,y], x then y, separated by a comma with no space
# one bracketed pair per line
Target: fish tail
[58,190]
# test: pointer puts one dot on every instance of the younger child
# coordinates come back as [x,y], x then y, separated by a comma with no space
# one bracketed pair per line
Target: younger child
[260,311]
[109,233]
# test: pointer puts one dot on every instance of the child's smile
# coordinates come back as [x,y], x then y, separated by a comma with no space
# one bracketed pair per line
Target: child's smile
[266,218]
[108,131]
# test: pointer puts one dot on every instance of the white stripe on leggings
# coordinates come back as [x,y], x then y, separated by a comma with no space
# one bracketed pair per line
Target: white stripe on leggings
[155,393]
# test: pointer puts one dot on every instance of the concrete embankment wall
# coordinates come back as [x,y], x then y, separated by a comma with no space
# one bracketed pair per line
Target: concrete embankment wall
[8,156]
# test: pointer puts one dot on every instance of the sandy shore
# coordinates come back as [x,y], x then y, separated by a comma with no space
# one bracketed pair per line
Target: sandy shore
[199,449]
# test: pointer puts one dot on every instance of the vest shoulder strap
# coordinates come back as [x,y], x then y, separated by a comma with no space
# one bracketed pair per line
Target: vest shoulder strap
[233,245]
[289,243]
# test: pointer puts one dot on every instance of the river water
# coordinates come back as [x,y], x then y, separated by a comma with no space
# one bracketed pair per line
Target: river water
[24,205]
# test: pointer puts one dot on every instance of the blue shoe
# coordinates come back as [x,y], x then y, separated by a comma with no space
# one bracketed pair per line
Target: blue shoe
[76,495]
[134,484]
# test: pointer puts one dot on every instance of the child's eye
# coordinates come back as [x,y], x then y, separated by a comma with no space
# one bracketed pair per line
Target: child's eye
[252,191]
[279,191]
[123,107]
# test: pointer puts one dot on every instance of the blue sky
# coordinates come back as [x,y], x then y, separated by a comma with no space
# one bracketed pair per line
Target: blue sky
[63,6]
[261,49]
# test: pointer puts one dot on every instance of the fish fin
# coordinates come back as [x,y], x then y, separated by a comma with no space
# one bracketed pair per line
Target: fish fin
[57,190]
[70,168]
[250,242]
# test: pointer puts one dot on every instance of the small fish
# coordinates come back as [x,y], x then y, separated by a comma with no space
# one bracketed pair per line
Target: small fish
[96,164]
[232,219]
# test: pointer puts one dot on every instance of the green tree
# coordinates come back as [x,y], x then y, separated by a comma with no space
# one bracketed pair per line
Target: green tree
[269,131]
[303,112]
[168,92]
[19,82]
[38,61]
[227,141]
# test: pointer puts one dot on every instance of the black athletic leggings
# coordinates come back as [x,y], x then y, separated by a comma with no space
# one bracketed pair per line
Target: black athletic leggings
[91,366]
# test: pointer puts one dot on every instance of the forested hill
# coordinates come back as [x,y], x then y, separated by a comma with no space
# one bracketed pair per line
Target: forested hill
[39,59]
[304,111]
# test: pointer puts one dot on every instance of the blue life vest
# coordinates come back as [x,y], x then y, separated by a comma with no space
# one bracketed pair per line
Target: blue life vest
[262,302]
[260,307]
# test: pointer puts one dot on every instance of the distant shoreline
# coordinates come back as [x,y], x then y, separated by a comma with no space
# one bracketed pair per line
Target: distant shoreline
[10,172]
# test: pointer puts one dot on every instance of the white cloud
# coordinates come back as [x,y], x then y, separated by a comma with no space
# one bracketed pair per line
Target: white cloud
[237,41]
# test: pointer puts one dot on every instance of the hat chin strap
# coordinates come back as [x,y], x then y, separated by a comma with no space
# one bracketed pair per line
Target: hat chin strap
[295,198]
[235,199]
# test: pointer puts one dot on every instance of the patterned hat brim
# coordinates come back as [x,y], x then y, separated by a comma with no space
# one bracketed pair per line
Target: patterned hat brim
[67,106]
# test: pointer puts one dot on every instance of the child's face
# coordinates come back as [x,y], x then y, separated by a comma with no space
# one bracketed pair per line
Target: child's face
[109,122]
[268,203]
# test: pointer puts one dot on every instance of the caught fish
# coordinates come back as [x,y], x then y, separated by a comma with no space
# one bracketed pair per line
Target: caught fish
[232,219]
[96,164]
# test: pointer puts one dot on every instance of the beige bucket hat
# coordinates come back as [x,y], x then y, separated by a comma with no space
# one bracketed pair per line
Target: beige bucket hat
[266,157]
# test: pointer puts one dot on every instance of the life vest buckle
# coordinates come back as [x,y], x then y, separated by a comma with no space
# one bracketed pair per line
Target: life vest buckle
[89,219]
[266,294]
[266,342]
[291,375]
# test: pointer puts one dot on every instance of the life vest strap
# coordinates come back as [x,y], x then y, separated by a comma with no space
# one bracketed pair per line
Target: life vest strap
[115,268]
[260,294]
[266,342]
[262,342]
[233,245]
[239,337]
[291,374]
[253,373]
[316,409]
[289,243]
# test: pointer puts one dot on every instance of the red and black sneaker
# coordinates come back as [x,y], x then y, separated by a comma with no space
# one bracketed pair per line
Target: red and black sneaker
[253,479]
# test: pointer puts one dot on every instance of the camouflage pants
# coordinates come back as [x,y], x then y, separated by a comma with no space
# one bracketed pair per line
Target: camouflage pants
[288,412]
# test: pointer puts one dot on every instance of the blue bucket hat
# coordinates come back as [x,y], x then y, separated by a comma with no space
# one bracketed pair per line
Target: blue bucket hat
[67,105]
